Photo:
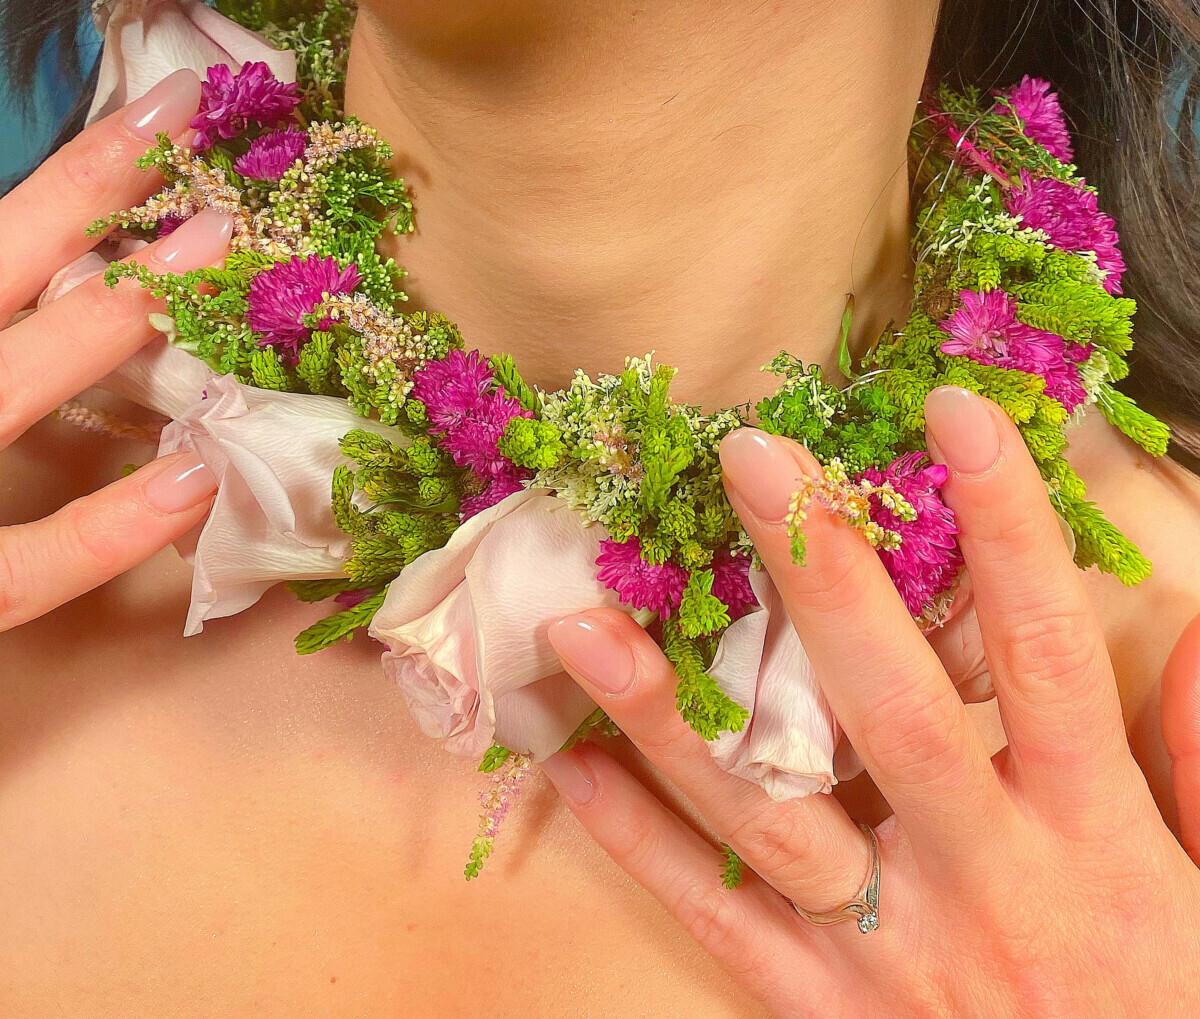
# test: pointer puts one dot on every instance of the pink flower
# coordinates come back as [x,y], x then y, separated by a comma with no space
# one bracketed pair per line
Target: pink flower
[928,560]
[146,40]
[230,103]
[986,329]
[731,583]
[1041,116]
[169,224]
[966,151]
[640,584]
[463,401]
[787,745]
[271,155]
[1070,217]
[280,298]
[466,627]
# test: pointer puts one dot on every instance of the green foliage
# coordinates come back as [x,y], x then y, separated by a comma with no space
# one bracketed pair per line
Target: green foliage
[316,590]
[731,867]
[701,702]
[1144,429]
[701,613]
[494,757]
[530,443]
[340,626]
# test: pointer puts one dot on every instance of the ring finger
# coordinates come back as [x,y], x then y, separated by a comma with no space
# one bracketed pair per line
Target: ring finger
[808,849]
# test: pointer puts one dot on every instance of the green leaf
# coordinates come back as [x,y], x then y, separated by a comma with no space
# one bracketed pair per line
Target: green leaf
[845,364]
[339,626]
[494,757]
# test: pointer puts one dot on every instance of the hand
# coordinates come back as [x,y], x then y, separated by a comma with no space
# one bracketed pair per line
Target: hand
[1043,882]
[52,354]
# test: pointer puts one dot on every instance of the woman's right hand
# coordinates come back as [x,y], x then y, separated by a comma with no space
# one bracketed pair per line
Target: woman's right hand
[51,355]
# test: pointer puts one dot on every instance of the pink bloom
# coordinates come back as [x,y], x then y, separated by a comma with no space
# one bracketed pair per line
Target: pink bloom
[271,155]
[169,224]
[731,583]
[451,389]
[1069,215]
[230,103]
[928,560]
[280,298]
[497,490]
[985,328]
[966,151]
[1041,116]
[463,401]
[640,584]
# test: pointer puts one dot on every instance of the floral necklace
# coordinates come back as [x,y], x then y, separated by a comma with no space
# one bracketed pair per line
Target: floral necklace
[1017,297]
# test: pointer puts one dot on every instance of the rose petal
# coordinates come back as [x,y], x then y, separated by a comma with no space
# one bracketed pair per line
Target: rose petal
[146,40]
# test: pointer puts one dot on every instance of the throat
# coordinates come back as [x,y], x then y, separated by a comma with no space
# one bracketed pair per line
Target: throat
[708,182]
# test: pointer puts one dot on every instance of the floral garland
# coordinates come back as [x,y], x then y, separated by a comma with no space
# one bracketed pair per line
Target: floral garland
[1017,297]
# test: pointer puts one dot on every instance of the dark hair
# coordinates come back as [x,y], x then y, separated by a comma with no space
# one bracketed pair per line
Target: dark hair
[26,28]
[1127,75]
[1126,71]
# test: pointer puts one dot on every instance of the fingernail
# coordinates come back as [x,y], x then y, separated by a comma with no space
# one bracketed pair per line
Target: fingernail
[198,242]
[167,108]
[571,777]
[962,429]
[595,652]
[185,483]
[761,471]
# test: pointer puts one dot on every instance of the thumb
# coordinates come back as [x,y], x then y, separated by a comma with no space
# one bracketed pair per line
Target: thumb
[1181,733]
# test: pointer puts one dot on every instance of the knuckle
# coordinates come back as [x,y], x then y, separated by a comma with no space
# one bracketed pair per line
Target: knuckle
[777,842]
[87,167]
[11,573]
[93,533]
[914,731]
[1054,648]
[836,583]
[639,843]
[711,918]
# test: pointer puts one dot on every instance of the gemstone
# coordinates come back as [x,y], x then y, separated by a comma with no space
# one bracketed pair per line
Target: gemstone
[868,923]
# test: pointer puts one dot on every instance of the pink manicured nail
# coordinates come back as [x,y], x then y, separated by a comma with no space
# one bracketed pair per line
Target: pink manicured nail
[200,241]
[961,429]
[167,108]
[571,777]
[183,484]
[594,651]
[761,471]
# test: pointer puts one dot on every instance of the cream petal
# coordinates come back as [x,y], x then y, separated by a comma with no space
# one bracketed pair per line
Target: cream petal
[539,718]
[433,663]
[146,40]
[787,745]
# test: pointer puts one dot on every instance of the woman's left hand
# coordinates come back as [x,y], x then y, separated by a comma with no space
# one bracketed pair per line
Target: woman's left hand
[1043,882]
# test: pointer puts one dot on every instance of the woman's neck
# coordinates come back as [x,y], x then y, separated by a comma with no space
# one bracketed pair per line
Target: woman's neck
[599,178]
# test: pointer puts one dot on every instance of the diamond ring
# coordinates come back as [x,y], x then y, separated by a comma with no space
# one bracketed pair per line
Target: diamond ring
[864,906]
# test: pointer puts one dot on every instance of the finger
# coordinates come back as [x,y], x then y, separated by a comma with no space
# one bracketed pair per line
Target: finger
[1181,733]
[1043,642]
[882,679]
[749,930]
[49,562]
[43,220]
[807,848]
[53,355]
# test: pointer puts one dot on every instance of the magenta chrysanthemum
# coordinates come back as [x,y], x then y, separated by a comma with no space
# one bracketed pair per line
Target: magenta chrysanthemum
[640,584]
[271,155]
[280,298]
[471,412]
[1070,217]
[1042,117]
[230,103]
[731,583]
[169,224]
[928,560]
[985,328]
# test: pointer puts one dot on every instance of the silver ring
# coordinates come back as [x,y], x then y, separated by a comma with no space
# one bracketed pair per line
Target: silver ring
[864,906]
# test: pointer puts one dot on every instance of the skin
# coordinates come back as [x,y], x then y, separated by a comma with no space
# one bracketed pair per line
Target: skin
[210,823]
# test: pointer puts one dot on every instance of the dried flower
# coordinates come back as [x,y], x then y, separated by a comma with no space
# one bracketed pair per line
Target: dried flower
[986,329]
[230,103]
[926,561]
[640,584]
[1041,116]
[281,297]
[1071,218]
[271,155]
